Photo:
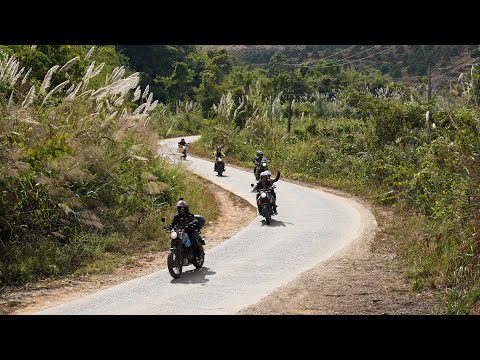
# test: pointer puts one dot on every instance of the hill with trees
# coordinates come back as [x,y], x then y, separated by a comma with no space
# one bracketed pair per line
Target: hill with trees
[407,63]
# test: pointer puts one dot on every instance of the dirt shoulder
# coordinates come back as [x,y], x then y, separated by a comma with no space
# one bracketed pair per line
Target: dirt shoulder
[366,277]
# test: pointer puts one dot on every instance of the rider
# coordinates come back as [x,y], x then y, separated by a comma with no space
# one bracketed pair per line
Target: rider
[185,219]
[257,159]
[218,153]
[182,142]
[266,183]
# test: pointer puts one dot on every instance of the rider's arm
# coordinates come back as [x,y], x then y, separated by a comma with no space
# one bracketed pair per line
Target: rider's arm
[193,221]
[277,177]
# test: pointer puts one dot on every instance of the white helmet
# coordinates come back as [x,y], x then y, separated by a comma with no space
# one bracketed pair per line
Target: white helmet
[265,174]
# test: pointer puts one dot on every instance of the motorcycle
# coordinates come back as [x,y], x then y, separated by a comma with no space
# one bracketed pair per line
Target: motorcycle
[261,167]
[183,150]
[219,166]
[265,202]
[181,251]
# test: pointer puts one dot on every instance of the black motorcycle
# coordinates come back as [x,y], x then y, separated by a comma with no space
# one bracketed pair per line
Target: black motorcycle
[261,167]
[219,166]
[183,150]
[181,252]
[265,203]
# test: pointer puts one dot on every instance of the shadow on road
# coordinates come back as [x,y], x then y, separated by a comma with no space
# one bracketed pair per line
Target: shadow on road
[274,223]
[194,276]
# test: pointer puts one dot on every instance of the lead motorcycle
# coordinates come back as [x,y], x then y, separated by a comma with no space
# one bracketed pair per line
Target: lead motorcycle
[219,166]
[181,251]
[265,202]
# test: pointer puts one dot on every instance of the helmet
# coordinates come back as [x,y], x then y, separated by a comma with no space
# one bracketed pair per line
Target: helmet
[182,139]
[265,175]
[259,153]
[182,207]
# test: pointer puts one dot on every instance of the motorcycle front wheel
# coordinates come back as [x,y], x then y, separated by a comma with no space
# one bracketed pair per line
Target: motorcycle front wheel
[174,265]
[266,212]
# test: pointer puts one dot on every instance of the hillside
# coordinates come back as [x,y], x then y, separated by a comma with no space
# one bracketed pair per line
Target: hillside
[407,63]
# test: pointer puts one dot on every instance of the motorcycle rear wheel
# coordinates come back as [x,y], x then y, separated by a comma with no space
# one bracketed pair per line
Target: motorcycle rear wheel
[174,266]
[198,261]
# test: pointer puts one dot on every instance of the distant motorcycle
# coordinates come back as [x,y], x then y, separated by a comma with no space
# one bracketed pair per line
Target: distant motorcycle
[219,166]
[261,167]
[183,150]
[181,252]
[265,203]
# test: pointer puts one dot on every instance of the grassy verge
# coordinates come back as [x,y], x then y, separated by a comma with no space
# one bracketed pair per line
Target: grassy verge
[89,250]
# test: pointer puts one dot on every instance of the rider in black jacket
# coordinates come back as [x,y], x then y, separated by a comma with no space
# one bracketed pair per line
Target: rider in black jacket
[182,142]
[218,154]
[187,220]
[266,183]
[257,159]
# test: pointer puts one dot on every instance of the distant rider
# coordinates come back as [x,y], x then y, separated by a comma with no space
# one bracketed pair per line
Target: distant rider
[218,154]
[257,159]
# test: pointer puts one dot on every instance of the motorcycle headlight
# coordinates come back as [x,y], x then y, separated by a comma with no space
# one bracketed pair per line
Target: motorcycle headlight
[173,235]
[264,164]
[263,195]
[219,159]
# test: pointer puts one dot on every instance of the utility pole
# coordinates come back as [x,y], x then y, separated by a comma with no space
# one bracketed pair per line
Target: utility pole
[290,102]
[271,109]
[429,83]
[429,98]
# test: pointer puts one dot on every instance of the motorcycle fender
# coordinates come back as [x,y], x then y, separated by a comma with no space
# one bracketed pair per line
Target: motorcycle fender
[264,209]
[176,251]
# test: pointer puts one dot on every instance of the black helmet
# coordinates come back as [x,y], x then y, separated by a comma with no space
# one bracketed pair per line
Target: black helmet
[182,207]
[259,153]
[182,139]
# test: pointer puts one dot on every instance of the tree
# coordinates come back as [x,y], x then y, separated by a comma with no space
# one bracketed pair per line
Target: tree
[179,85]
[277,70]
[211,88]
[154,61]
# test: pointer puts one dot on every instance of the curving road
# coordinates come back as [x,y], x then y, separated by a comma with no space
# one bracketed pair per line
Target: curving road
[311,226]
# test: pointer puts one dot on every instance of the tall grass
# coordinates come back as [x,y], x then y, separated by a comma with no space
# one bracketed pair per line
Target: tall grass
[185,119]
[82,186]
